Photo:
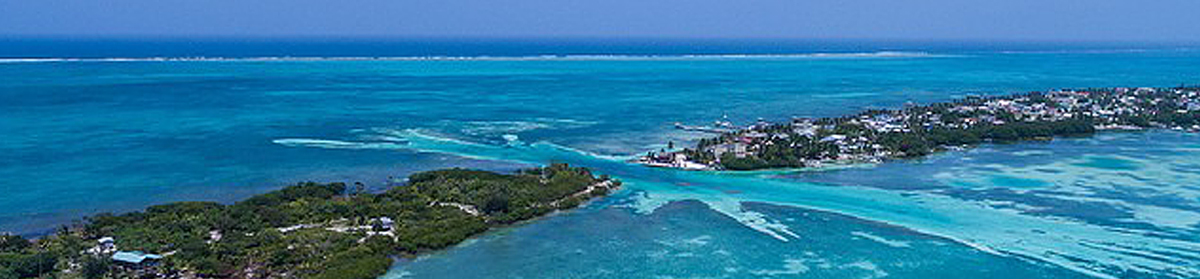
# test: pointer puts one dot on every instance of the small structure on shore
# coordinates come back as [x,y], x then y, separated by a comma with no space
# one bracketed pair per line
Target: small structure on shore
[104,245]
[384,223]
[136,258]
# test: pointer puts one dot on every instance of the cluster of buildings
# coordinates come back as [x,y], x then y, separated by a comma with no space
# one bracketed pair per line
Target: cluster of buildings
[861,137]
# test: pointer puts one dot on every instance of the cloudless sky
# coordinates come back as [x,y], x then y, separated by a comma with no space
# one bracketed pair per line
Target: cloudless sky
[1096,20]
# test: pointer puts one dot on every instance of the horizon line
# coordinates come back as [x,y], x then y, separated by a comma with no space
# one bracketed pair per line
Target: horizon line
[421,38]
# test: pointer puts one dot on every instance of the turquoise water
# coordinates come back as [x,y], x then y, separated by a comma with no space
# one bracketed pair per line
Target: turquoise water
[82,137]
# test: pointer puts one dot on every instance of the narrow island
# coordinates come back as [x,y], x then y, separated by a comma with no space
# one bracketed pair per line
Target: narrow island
[915,131]
[308,230]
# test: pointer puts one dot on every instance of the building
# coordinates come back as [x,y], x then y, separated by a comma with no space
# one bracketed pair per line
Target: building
[135,258]
[104,245]
[386,223]
[738,149]
[107,242]
[833,138]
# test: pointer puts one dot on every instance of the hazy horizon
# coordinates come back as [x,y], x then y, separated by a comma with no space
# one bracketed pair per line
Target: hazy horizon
[1021,20]
[227,47]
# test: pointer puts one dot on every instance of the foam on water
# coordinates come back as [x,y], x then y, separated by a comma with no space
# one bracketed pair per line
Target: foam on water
[337,144]
[885,241]
[790,267]
[490,128]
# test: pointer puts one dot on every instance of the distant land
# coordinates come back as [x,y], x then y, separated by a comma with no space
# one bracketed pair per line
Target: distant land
[914,131]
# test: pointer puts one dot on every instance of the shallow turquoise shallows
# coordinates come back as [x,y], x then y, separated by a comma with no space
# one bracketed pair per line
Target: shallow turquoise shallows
[80,137]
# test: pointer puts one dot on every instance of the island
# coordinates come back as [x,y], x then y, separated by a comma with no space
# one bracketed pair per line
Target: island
[917,130]
[307,230]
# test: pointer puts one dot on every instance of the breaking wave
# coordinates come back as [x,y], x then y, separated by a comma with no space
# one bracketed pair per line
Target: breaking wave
[598,57]
[336,144]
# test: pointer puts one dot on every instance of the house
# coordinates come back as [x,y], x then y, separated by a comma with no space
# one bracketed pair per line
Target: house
[383,224]
[755,135]
[105,245]
[681,161]
[804,128]
[833,138]
[738,149]
[136,258]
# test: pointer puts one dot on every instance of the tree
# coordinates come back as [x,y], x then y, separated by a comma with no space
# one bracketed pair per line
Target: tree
[8,273]
[94,267]
[497,203]
[13,243]
[28,265]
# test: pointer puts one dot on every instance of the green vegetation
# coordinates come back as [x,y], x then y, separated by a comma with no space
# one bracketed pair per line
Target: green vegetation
[915,131]
[308,230]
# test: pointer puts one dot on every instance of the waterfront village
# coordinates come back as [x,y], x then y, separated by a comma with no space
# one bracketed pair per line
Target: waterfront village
[917,130]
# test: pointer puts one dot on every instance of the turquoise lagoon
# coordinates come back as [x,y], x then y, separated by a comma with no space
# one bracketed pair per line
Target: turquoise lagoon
[96,135]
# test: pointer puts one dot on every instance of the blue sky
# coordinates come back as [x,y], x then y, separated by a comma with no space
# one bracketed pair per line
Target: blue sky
[1097,20]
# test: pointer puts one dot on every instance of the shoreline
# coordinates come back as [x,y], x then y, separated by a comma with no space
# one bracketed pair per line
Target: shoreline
[413,257]
[878,135]
[363,232]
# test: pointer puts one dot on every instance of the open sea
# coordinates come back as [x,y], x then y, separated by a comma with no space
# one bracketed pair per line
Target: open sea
[90,126]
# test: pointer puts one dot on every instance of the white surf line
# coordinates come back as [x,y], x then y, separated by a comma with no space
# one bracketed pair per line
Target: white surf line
[569,57]
[335,144]
[754,220]
[882,240]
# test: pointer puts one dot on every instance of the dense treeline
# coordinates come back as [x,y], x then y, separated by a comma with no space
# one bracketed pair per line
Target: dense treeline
[308,230]
[792,152]
[18,259]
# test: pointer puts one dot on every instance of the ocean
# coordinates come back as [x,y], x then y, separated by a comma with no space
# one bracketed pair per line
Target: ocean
[94,126]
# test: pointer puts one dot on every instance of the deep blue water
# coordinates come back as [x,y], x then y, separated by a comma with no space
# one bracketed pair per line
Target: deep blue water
[95,135]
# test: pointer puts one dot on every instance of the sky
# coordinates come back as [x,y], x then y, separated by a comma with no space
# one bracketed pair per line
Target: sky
[1053,20]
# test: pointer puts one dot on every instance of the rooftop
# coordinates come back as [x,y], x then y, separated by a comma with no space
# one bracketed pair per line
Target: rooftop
[134,257]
